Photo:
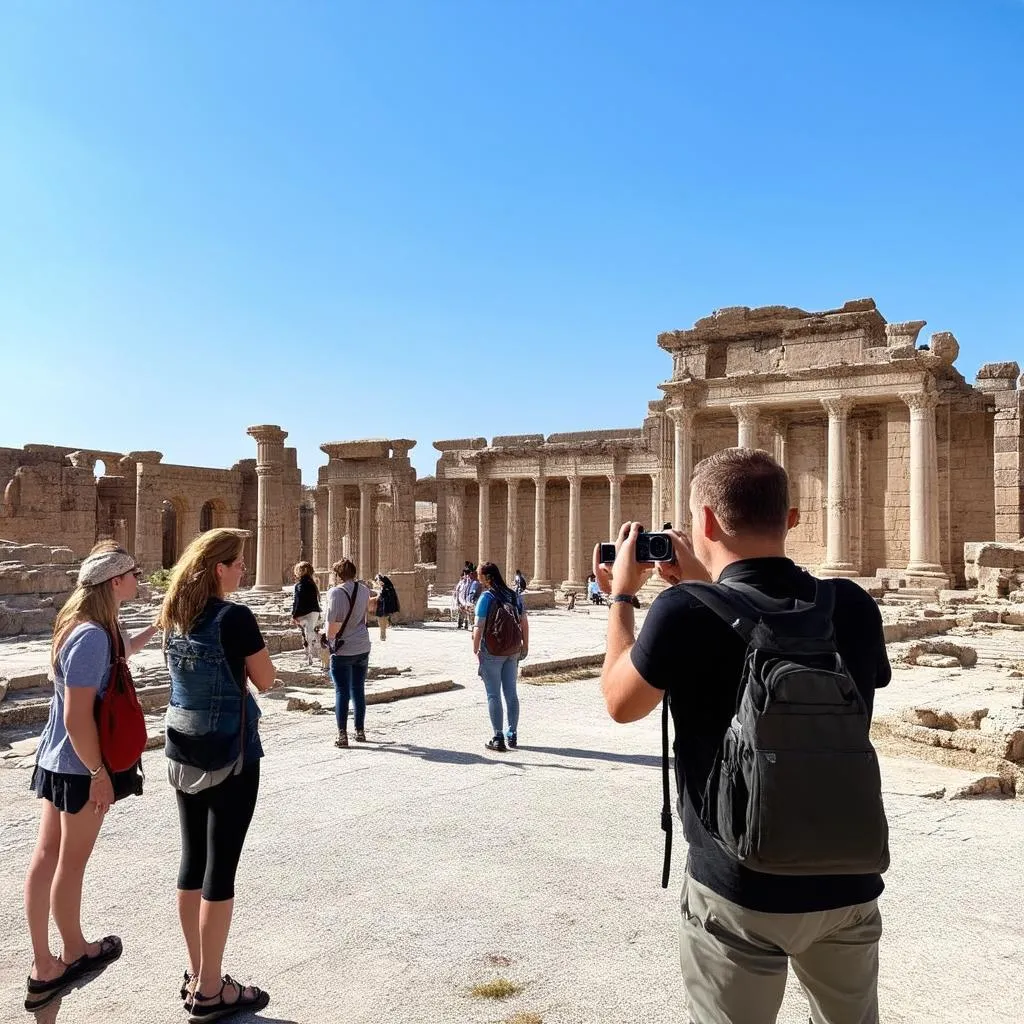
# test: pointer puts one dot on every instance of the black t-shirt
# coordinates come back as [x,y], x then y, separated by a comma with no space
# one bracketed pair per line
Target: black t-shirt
[240,635]
[685,648]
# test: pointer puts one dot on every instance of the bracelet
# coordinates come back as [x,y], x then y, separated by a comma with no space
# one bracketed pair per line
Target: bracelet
[631,599]
[93,774]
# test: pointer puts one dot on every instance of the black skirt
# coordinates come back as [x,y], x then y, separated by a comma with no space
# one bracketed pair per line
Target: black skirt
[70,793]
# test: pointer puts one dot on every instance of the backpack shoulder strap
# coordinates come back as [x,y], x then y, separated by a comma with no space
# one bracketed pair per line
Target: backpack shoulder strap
[731,608]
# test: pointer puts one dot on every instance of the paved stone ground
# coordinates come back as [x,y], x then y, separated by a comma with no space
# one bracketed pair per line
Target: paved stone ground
[383,882]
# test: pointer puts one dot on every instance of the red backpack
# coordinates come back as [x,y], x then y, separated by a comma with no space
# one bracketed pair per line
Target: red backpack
[119,718]
[503,632]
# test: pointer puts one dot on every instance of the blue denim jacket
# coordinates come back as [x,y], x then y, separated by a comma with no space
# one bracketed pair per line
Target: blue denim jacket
[204,716]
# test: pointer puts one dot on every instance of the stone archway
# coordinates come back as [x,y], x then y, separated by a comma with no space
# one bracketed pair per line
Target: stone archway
[211,514]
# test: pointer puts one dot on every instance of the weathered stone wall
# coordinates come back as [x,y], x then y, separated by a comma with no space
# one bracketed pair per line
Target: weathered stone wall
[46,498]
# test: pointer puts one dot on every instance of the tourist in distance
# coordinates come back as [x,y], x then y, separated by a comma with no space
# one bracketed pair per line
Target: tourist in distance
[825,921]
[348,602]
[214,648]
[594,590]
[306,609]
[470,595]
[501,639]
[70,776]
[387,603]
[459,599]
[520,581]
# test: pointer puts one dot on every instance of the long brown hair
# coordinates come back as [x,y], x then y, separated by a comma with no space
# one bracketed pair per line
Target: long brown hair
[87,603]
[194,577]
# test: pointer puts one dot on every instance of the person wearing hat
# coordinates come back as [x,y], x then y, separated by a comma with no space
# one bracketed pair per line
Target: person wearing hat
[69,776]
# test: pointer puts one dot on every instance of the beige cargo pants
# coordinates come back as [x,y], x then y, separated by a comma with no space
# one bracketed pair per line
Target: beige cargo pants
[735,960]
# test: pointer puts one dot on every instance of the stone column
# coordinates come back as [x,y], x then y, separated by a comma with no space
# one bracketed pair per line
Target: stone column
[148,533]
[747,415]
[365,497]
[321,510]
[614,504]
[540,579]
[837,543]
[682,464]
[572,580]
[350,538]
[511,528]
[924,486]
[656,519]
[269,521]
[451,527]
[780,438]
[334,524]
[386,539]
[484,520]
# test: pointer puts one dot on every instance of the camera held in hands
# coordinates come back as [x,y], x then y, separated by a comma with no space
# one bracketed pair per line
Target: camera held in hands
[650,547]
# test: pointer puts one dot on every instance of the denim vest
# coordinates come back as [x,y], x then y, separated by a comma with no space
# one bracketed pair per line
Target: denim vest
[204,715]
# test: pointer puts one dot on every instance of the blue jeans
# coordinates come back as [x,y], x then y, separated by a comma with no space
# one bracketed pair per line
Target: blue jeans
[499,676]
[349,674]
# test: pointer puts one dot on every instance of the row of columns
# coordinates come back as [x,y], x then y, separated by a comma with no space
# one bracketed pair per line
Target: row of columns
[540,579]
[343,524]
[924,477]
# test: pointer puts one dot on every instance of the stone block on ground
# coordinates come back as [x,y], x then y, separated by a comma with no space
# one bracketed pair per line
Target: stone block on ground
[941,654]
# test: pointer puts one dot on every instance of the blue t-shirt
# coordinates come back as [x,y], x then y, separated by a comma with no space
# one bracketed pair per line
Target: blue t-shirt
[483,605]
[82,662]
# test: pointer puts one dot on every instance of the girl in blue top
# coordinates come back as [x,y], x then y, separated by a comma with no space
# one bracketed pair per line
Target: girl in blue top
[499,672]
[70,778]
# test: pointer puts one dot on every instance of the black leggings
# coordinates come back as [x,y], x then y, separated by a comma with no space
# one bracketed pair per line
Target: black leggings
[213,826]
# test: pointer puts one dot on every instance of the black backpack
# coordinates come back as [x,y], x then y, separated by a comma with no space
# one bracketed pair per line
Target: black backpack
[795,788]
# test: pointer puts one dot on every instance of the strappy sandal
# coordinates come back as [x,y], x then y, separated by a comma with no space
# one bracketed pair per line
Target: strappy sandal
[360,736]
[186,985]
[46,991]
[215,1007]
[497,743]
[342,740]
[110,950]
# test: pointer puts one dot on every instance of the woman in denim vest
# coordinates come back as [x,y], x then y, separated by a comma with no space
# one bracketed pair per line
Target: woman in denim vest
[213,649]
[70,778]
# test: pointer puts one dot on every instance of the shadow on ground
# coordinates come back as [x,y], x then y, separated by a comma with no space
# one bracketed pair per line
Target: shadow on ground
[442,755]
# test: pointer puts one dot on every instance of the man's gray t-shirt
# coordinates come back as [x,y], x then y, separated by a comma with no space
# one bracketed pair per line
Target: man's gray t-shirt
[83,662]
[356,635]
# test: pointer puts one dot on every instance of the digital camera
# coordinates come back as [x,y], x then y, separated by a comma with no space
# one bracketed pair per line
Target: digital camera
[650,547]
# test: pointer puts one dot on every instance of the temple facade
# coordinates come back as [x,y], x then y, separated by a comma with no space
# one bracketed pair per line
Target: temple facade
[896,461]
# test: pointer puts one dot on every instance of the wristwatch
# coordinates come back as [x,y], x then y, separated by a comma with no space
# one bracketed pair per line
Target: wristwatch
[625,599]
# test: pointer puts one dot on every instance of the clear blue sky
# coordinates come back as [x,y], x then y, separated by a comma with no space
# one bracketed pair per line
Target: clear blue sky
[440,219]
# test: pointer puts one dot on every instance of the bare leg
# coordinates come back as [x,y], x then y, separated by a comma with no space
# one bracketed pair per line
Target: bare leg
[78,834]
[188,915]
[41,869]
[214,924]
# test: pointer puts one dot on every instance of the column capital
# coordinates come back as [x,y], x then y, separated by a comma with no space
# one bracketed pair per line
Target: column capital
[269,469]
[837,406]
[918,400]
[745,412]
[268,433]
[682,414]
[616,478]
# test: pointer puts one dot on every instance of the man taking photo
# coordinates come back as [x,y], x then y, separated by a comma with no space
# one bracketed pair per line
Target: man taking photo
[757,742]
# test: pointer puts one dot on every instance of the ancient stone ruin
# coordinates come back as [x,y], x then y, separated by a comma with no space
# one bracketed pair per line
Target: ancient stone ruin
[897,463]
